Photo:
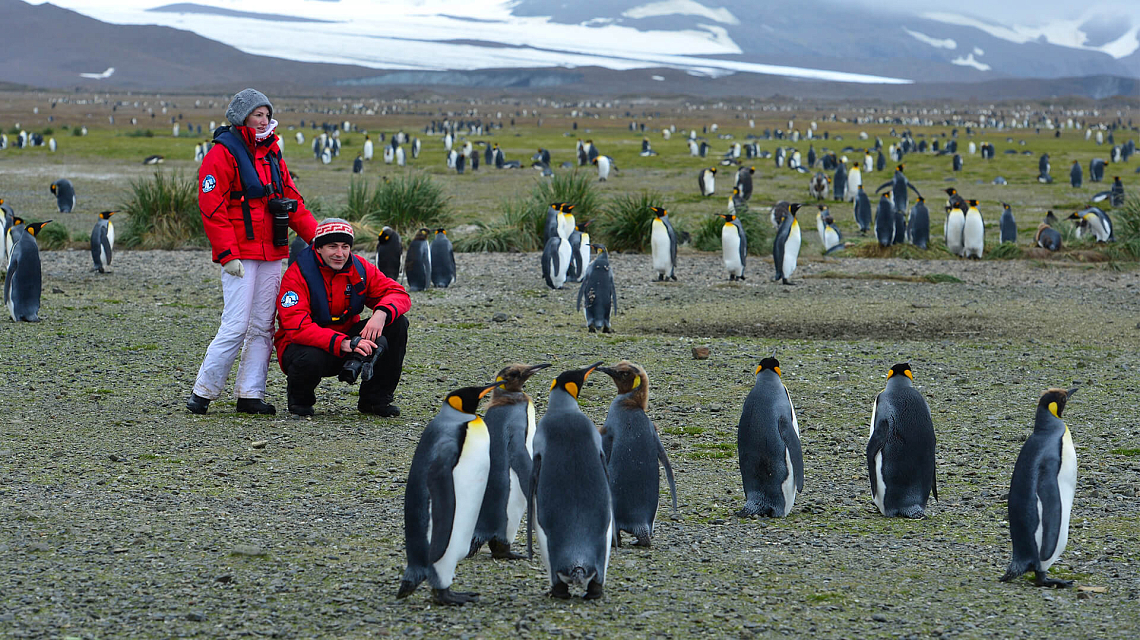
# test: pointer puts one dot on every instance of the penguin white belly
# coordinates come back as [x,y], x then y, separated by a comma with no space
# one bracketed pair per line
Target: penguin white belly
[470,479]
[1066,487]
[609,537]
[540,538]
[881,487]
[661,247]
[791,250]
[730,245]
[584,254]
[789,484]
[559,277]
[973,235]
[854,181]
[566,224]
[1096,226]
[516,506]
[530,429]
[830,238]
[954,225]
[822,229]
[111,234]
[103,257]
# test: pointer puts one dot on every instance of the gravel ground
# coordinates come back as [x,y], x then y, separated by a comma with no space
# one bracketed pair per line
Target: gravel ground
[125,516]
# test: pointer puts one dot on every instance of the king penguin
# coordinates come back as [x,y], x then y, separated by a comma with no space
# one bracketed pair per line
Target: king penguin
[831,237]
[368,152]
[900,449]
[734,246]
[633,450]
[885,222]
[973,233]
[955,222]
[556,261]
[358,165]
[918,228]
[102,241]
[862,211]
[839,183]
[597,297]
[744,182]
[570,511]
[580,247]
[1047,237]
[663,241]
[24,281]
[899,185]
[5,229]
[442,260]
[768,446]
[553,216]
[1076,176]
[388,249]
[786,246]
[1041,493]
[417,264]
[706,180]
[1008,224]
[64,195]
[444,493]
[510,423]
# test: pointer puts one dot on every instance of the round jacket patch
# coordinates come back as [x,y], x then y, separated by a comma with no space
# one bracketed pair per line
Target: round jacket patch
[208,184]
[289,298]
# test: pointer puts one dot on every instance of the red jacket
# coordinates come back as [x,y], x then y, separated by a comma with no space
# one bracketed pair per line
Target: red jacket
[223,217]
[296,325]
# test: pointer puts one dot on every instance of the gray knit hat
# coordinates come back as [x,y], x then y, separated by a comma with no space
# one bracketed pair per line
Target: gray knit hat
[244,103]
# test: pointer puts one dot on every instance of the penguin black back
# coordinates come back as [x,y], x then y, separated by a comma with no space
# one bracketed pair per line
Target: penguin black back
[768,446]
[900,450]
[442,260]
[417,263]
[388,250]
[918,227]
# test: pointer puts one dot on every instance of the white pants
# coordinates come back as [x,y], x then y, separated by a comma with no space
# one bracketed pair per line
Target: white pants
[247,325]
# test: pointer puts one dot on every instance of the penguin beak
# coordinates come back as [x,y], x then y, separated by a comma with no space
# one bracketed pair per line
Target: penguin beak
[536,368]
[1070,392]
[590,369]
[488,389]
[609,372]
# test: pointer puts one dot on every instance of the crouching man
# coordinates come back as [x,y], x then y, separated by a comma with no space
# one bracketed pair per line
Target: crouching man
[320,333]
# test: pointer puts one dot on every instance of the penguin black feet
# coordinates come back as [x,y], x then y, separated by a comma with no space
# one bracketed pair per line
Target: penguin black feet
[592,329]
[660,277]
[643,541]
[673,278]
[1041,579]
[447,596]
[789,282]
[594,591]
[607,330]
[407,587]
[502,551]
[560,590]
[731,278]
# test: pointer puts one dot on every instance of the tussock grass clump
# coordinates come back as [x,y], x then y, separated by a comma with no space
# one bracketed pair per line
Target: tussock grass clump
[627,222]
[404,203]
[53,237]
[1004,251]
[576,188]
[872,249]
[163,213]
[513,231]
[757,228]
[1127,226]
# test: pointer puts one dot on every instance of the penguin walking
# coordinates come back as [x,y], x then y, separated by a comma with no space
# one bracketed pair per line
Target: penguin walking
[571,510]
[1076,176]
[23,283]
[102,241]
[706,180]
[733,246]
[510,423]
[1047,237]
[597,297]
[368,151]
[663,241]
[918,228]
[768,446]
[388,249]
[957,162]
[885,222]
[744,182]
[556,261]
[417,263]
[603,163]
[862,210]
[442,260]
[1041,493]
[444,493]
[786,246]
[633,450]
[64,194]
[390,155]
[955,223]
[900,449]
[899,185]
[973,232]
[1096,169]
[1008,224]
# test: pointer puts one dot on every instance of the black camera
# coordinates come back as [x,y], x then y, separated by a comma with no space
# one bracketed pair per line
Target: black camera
[280,208]
[356,365]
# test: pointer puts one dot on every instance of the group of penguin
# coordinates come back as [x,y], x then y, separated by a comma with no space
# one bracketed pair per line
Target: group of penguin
[566,256]
[428,262]
[20,254]
[472,477]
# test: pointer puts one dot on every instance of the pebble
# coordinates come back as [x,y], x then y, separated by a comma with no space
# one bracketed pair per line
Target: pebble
[247,550]
[195,616]
[878,617]
[700,353]
[260,444]
[114,458]
[499,317]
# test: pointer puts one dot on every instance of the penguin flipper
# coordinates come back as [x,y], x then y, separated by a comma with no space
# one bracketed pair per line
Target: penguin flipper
[107,249]
[914,188]
[1049,494]
[441,489]
[535,467]
[613,290]
[664,458]
[885,184]
[874,446]
[792,442]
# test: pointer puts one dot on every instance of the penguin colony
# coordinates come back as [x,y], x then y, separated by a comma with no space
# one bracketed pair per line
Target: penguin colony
[581,486]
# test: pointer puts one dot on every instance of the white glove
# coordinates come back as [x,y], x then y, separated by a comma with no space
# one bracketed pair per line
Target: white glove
[234,268]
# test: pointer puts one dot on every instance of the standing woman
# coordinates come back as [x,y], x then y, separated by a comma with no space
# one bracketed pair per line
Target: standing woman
[248,202]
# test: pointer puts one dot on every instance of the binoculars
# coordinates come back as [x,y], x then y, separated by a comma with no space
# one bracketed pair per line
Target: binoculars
[358,366]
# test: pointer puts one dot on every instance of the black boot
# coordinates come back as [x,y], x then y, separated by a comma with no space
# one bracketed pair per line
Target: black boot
[255,406]
[197,404]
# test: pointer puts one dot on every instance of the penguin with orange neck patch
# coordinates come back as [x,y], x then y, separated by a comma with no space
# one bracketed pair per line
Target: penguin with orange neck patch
[570,512]
[768,446]
[633,450]
[1041,493]
[444,493]
[900,449]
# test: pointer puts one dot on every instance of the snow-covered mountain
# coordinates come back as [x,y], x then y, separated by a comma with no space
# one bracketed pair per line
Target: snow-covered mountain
[807,39]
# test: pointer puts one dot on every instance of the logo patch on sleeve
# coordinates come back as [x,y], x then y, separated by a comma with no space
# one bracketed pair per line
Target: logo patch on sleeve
[289,298]
[208,184]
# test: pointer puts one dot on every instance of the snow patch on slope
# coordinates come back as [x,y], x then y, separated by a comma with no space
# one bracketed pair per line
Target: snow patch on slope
[948,43]
[681,7]
[1065,33]
[969,61]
